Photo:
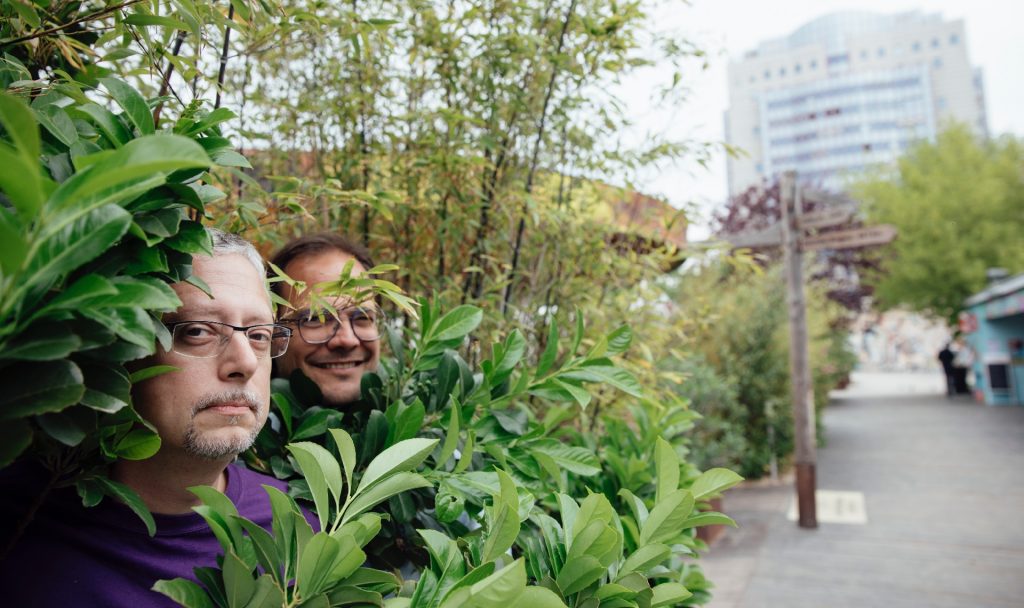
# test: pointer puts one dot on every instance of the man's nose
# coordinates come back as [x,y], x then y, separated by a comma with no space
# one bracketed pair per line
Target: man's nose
[344,337]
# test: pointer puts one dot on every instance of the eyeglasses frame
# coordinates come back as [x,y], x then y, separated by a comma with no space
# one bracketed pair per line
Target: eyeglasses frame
[380,319]
[225,339]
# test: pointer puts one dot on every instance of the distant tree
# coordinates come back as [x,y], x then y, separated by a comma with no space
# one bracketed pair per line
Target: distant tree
[959,206]
[757,208]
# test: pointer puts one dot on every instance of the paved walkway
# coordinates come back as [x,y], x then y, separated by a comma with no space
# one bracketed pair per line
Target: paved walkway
[943,485]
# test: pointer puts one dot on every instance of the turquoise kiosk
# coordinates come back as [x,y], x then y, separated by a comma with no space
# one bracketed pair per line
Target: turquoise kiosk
[993,324]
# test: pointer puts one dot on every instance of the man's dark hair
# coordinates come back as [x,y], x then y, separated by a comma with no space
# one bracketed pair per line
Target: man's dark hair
[320,242]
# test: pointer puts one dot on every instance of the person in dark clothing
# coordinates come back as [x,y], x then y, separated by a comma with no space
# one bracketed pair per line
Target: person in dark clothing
[946,356]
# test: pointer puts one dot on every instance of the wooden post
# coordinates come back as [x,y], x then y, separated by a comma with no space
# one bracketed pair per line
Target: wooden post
[800,371]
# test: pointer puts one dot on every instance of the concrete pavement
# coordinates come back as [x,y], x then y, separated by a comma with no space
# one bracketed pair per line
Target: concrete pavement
[943,488]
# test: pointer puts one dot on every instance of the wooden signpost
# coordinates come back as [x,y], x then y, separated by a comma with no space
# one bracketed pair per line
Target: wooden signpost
[789,234]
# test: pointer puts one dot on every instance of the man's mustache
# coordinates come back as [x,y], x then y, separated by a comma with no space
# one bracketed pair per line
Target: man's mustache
[249,398]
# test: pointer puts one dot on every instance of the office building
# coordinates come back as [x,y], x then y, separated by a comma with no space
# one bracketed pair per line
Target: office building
[848,91]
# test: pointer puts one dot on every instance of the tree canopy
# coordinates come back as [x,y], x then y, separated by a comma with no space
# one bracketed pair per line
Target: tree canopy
[959,206]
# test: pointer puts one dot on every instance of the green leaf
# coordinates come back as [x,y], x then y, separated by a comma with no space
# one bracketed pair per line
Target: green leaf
[138,166]
[21,178]
[346,452]
[131,499]
[383,490]
[151,372]
[267,594]
[266,549]
[619,340]
[712,482]
[666,519]
[55,120]
[547,358]
[402,456]
[576,459]
[451,437]
[38,388]
[614,376]
[710,518]
[134,106]
[66,427]
[109,124]
[459,322]
[239,584]
[316,562]
[83,290]
[157,20]
[501,587]
[185,592]
[323,474]
[579,573]
[138,444]
[668,594]
[645,558]
[42,342]
[666,463]
[81,242]
[537,597]
[13,247]
[15,436]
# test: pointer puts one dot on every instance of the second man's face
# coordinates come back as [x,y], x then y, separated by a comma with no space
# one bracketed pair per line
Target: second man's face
[336,366]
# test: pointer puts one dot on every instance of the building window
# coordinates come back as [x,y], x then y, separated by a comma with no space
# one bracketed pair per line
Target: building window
[916,46]
[753,78]
[767,75]
[796,68]
[941,103]
[937,62]
[881,51]
[782,72]
[814,64]
[954,38]
[935,43]
[864,54]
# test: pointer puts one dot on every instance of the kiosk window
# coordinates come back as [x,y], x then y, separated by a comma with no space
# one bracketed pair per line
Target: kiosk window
[999,376]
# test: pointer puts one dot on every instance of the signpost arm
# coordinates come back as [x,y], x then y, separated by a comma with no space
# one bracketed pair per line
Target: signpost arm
[800,372]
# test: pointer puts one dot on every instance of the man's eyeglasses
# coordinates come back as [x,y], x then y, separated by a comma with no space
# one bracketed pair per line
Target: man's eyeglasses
[365,322]
[207,339]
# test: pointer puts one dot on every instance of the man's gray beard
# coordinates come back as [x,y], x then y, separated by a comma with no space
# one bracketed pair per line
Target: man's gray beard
[208,448]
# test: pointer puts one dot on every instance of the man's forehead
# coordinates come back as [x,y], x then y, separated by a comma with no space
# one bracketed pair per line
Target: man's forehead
[233,282]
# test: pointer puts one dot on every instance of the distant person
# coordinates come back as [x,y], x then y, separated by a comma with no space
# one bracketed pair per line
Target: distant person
[946,356]
[962,363]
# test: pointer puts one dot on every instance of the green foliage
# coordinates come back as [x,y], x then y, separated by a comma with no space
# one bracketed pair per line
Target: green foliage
[957,205]
[511,475]
[94,224]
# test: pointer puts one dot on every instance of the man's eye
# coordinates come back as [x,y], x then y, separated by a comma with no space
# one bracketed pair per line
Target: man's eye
[197,331]
[260,335]
[313,323]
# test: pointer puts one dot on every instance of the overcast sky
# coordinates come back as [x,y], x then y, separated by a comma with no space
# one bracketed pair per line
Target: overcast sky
[727,28]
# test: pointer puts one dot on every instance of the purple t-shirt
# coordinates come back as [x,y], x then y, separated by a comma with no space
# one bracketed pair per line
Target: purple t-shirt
[102,556]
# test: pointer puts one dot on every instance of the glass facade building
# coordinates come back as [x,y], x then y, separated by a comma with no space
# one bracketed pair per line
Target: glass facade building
[846,92]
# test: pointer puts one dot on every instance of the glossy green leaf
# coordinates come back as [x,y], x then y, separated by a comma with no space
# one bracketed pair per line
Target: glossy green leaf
[580,573]
[133,104]
[55,120]
[403,456]
[457,323]
[42,342]
[151,372]
[185,592]
[383,490]
[239,584]
[39,387]
[129,497]
[666,519]
[712,482]
[668,594]
[323,474]
[316,563]
[613,376]
[138,444]
[576,459]
[645,558]
[666,463]
[710,518]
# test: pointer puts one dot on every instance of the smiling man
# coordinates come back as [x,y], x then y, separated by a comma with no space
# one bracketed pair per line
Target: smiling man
[334,352]
[206,412]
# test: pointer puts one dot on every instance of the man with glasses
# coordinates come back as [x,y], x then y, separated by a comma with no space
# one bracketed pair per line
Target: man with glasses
[334,351]
[206,411]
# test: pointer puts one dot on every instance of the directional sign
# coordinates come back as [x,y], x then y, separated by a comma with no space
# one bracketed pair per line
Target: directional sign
[768,237]
[829,216]
[848,239]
